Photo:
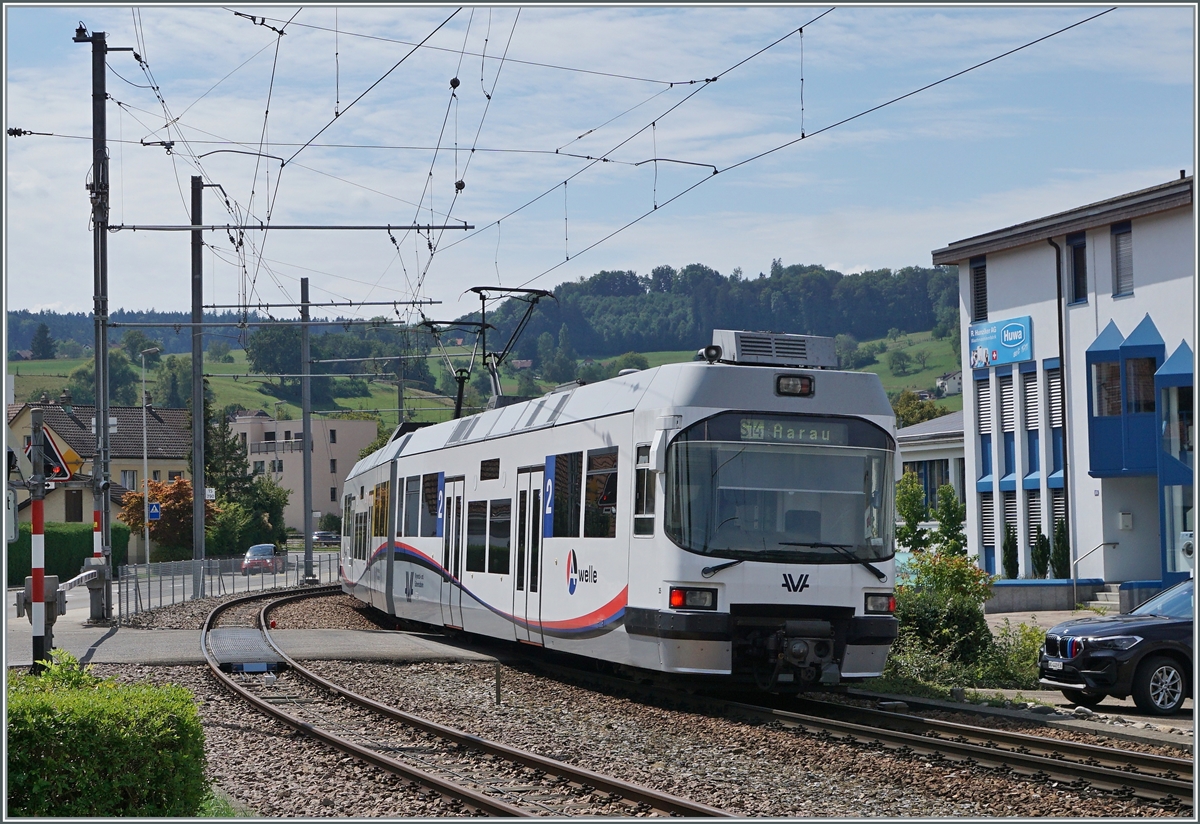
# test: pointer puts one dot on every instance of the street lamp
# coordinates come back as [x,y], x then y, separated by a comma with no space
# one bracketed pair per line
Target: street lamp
[153,350]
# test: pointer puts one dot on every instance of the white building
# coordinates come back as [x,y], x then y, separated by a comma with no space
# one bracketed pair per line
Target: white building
[274,447]
[950,383]
[933,450]
[1078,331]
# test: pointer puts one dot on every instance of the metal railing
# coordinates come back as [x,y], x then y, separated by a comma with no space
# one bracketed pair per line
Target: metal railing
[1075,569]
[142,587]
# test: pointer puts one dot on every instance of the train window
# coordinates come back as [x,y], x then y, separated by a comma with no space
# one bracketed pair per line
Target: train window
[535,535]
[600,504]
[643,494]
[429,494]
[476,535]
[347,514]
[489,470]
[412,504]
[568,494]
[499,536]
[360,535]
[379,516]
[522,499]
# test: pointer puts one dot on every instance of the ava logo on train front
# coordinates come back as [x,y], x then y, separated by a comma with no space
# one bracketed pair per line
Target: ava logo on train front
[575,574]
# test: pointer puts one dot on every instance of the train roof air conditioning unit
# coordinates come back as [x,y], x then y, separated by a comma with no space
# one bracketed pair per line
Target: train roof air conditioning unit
[807,351]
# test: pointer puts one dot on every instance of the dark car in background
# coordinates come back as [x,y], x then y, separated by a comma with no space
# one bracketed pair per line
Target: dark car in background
[1146,653]
[264,558]
[326,538]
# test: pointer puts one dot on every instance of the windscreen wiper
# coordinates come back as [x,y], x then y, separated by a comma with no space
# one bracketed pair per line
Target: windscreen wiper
[842,548]
[710,571]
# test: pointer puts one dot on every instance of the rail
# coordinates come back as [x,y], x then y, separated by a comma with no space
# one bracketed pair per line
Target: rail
[1075,570]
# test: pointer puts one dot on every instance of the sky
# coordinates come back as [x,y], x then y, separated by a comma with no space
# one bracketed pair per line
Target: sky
[348,117]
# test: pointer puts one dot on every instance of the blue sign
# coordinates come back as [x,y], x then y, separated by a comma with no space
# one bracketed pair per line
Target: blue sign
[999,342]
[155,511]
[548,498]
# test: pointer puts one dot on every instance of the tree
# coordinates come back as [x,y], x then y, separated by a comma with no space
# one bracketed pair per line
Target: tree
[123,381]
[135,342]
[266,501]
[526,385]
[218,352]
[1040,554]
[910,506]
[173,376]
[226,468]
[910,409]
[172,532]
[1008,552]
[42,346]
[70,349]
[1060,554]
[922,357]
[898,362]
[950,512]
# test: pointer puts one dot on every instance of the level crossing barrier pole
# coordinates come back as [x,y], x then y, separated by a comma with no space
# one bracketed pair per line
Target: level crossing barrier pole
[37,606]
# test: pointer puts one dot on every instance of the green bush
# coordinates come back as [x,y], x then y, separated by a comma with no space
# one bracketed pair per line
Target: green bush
[1060,555]
[1012,660]
[1040,554]
[1008,552]
[910,508]
[946,576]
[954,626]
[950,513]
[81,746]
[66,547]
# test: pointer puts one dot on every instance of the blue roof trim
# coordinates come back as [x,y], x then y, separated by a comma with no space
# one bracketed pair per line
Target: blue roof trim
[1006,369]
[1145,335]
[980,374]
[1107,342]
[1055,480]
[1008,483]
[1141,584]
[1050,363]
[1032,481]
[1028,366]
[1178,365]
[984,484]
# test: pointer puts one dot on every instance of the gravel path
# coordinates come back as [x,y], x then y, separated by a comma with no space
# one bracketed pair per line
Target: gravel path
[750,770]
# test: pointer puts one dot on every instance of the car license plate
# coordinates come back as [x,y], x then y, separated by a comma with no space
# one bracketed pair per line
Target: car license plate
[1054,665]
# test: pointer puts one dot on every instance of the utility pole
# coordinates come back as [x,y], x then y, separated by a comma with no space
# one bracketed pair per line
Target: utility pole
[197,390]
[99,197]
[306,422]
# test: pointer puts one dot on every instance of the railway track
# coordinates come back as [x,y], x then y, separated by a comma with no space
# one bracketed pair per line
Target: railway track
[1074,765]
[472,774]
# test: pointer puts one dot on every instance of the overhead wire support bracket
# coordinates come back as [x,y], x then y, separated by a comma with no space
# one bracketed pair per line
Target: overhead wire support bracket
[264,227]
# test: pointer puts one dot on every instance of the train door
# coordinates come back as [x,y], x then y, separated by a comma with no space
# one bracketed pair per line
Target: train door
[452,551]
[527,592]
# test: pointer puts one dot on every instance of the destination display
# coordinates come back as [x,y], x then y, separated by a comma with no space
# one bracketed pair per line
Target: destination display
[793,431]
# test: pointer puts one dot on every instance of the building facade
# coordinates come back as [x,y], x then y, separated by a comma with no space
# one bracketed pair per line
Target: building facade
[933,451]
[274,447]
[1078,334]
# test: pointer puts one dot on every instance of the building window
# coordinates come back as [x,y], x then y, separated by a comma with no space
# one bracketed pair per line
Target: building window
[333,436]
[156,475]
[333,494]
[1106,389]
[643,494]
[1077,243]
[1122,245]
[1139,374]
[1180,517]
[268,436]
[1178,429]
[333,466]
[242,438]
[287,434]
[73,506]
[174,475]
[129,478]
[259,467]
[979,303]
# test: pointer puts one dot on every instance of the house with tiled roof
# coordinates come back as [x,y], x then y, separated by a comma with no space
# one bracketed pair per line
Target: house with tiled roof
[168,445]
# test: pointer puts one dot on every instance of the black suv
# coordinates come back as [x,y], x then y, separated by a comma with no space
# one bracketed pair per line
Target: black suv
[1146,653]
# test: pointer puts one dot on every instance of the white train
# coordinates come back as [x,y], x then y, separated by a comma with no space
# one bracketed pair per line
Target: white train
[731,516]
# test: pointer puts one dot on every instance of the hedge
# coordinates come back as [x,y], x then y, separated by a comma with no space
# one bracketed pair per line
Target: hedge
[66,547]
[84,747]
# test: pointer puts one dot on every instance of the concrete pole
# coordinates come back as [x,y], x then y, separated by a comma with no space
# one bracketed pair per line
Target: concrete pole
[197,390]
[306,442]
[38,544]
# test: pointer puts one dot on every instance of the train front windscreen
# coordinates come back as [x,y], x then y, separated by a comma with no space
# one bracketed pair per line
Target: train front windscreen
[790,489]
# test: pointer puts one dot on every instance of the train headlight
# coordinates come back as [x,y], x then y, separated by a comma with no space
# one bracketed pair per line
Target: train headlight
[692,598]
[880,603]
[798,385]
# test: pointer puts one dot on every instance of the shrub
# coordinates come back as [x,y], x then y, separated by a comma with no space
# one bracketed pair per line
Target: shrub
[912,663]
[910,506]
[67,545]
[1040,554]
[1012,660]
[949,538]
[82,746]
[947,576]
[1008,550]
[954,626]
[1060,555]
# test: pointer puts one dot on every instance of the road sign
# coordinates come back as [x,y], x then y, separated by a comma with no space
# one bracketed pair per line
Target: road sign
[55,466]
[155,510]
[210,493]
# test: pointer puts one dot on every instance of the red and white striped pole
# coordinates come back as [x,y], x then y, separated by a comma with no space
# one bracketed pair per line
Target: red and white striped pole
[97,536]
[37,606]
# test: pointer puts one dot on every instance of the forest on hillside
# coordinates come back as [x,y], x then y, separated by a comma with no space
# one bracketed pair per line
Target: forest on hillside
[613,312]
